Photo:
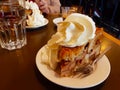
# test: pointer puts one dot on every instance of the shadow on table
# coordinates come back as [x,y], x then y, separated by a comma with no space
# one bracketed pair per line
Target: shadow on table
[37,28]
[52,86]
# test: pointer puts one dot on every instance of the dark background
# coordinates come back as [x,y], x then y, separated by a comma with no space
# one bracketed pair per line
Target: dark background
[108,11]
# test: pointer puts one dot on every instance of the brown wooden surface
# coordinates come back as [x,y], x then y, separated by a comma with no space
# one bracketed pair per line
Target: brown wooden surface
[18,69]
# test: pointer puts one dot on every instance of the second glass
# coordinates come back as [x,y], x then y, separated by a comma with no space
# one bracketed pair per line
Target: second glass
[65,11]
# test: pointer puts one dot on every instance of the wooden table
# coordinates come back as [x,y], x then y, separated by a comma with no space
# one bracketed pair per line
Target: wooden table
[18,69]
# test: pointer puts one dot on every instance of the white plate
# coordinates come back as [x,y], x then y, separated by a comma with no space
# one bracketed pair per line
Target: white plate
[98,76]
[33,27]
[57,20]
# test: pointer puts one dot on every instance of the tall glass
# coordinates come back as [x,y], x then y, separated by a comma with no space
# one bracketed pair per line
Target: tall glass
[65,11]
[12,24]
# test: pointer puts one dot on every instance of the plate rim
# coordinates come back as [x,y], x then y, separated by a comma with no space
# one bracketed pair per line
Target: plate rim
[33,27]
[39,64]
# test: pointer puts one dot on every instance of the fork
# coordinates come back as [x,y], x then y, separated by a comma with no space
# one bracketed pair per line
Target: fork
[87,70]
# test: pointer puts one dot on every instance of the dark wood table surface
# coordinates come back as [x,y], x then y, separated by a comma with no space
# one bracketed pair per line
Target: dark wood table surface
[18,69]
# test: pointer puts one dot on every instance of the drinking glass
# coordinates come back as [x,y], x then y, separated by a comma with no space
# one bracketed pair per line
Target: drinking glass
[12,24]
[68,10]
[64,11]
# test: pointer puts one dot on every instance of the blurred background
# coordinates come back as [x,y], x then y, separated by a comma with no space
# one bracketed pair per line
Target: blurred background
[106,13]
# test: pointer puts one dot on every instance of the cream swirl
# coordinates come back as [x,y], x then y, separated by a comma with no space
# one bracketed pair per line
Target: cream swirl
[36,18]
[76,30]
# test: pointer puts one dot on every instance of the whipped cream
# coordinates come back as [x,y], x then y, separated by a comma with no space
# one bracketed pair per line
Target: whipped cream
[76,30]
[31,5]
[36,18]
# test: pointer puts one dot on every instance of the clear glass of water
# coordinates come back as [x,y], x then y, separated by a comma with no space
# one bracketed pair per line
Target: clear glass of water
[12,24]
[64,11]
